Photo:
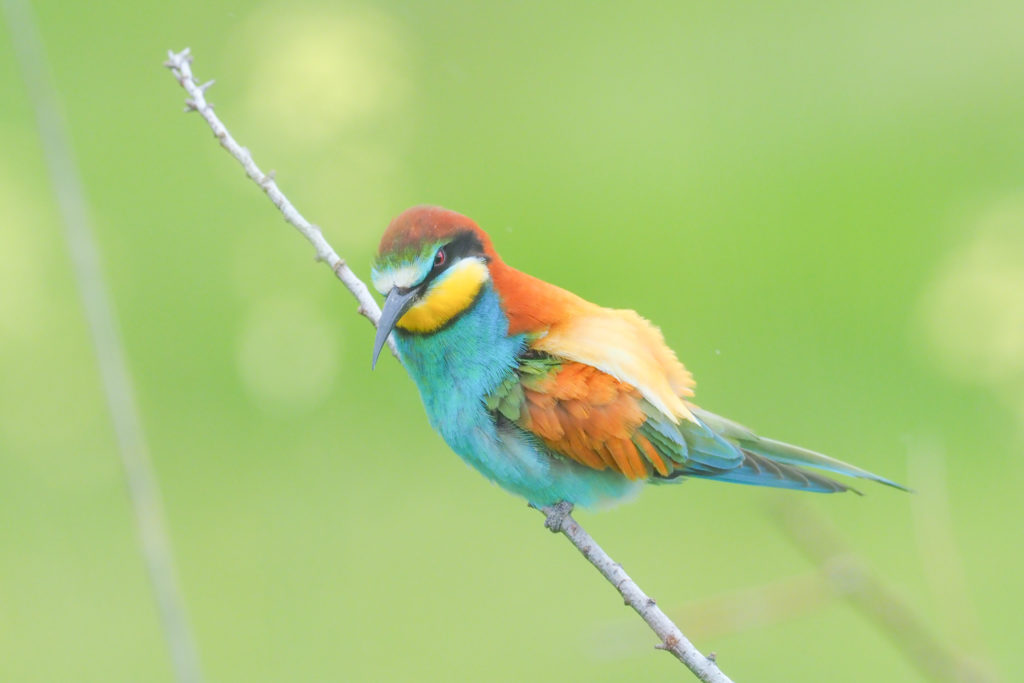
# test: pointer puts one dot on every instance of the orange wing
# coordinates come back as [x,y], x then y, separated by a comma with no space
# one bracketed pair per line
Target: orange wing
[600,386]
[585,415]
[618,342]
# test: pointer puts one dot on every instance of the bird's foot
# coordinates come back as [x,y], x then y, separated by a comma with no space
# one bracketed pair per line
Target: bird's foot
[556,515]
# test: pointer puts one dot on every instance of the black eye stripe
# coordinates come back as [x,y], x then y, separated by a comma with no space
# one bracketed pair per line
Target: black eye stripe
[464,245]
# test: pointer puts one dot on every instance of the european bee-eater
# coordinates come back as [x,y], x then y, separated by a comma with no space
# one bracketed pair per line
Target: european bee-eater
[548,395]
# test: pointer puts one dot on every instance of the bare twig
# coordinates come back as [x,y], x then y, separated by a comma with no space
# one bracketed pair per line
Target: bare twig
[558,517]
[722,614]
[102,320]
[843,575]
[727,613]
[560,520]
[180,64]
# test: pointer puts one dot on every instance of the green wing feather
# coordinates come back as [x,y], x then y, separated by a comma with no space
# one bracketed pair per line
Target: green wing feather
[783,453]
[709,447]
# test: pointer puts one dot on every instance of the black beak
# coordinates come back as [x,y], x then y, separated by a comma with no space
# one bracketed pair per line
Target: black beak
[395,306]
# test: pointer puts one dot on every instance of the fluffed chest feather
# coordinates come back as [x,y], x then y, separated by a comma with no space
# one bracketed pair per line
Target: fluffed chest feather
[455,368]
[458,365]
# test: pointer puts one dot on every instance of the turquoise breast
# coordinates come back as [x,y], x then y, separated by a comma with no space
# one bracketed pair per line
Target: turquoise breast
[454,369]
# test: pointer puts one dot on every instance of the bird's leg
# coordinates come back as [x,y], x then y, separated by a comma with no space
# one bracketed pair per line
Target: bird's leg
[556,515]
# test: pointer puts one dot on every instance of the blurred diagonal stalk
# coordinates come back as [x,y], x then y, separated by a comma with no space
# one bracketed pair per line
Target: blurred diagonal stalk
[99,312]
[559,519]
[853,579]
[941,558]
[843,575]
[757,606]
[728,613]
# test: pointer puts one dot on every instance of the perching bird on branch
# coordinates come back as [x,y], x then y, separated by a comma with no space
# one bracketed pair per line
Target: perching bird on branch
[548,395]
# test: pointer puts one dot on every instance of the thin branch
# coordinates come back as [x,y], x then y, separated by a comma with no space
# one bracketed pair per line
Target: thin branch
[140,478]
[559,518]
[180,64]
[725,614]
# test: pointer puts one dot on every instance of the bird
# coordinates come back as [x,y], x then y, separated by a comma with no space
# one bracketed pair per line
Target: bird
[554,398]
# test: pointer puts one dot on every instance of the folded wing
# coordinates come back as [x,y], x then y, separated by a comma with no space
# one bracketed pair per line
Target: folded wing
[585,415]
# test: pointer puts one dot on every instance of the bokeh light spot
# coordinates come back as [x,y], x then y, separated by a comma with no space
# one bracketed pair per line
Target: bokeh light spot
[287,354]
[22,260]
[327,71]
[974,311]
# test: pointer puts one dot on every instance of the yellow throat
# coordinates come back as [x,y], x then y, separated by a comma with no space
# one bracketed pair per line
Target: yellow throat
[446,297]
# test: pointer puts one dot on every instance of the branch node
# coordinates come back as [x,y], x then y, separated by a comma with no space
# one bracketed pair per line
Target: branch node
[557,515]
[713,658]
[203,88]
[190,105]
[176,59]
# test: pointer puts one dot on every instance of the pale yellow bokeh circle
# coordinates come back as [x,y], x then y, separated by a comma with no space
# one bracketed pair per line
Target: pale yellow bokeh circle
[24,252]
[287,354]
[327,103]
[973,313]
[316,72]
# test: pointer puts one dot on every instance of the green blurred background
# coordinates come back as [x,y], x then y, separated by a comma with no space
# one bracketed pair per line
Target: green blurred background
[821,204]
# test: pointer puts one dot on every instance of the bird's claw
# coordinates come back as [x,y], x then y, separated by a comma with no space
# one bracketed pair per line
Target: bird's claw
[556,515]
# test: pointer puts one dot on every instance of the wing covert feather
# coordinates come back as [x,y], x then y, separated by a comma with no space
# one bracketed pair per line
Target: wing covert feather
[586,415]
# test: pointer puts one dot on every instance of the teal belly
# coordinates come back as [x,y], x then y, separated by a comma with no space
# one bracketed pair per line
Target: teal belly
[454,369]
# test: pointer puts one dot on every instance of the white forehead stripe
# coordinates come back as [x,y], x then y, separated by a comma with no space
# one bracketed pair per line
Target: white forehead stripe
[406,276]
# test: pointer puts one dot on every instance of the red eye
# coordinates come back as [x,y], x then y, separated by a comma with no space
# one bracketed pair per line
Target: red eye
[440,257]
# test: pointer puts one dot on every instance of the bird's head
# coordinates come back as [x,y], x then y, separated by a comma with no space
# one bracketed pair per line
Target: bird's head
[431,265]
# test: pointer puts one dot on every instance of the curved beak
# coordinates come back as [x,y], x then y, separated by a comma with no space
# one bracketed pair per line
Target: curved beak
[395,306]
